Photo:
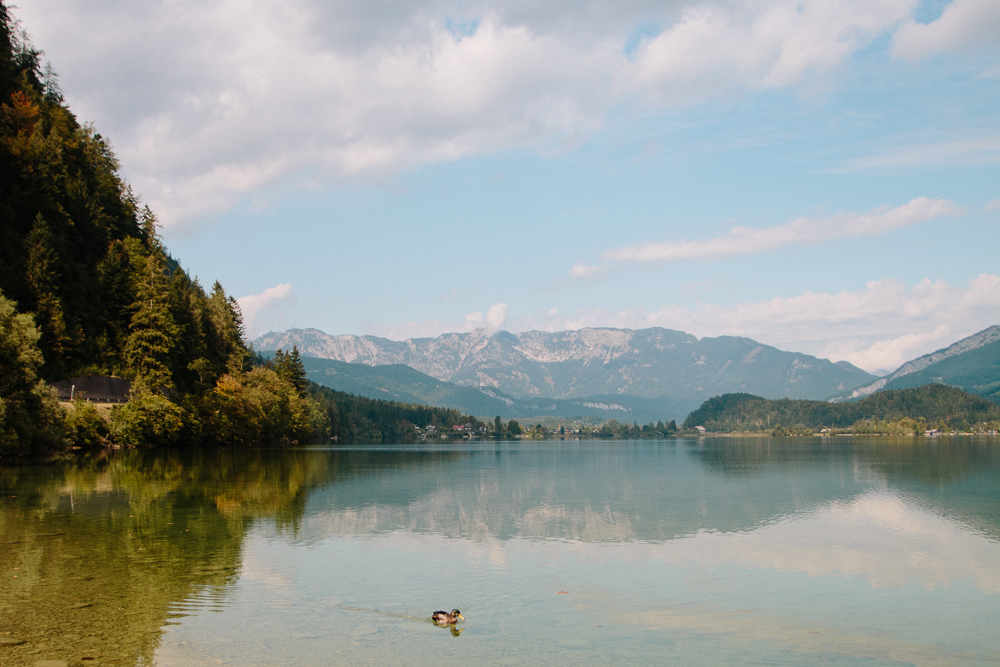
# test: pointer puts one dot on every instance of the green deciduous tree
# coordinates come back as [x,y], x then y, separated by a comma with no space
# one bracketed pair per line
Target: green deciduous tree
[260,407]
[30,417]
[148,419]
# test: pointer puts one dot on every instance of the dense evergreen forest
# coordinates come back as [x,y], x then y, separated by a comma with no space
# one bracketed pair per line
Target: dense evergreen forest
[87,288]
[898,411]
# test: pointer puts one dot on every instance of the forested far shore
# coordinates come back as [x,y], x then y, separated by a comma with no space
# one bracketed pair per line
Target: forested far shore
[932,407]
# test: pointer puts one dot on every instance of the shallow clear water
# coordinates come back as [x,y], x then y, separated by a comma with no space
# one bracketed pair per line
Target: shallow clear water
[687,552]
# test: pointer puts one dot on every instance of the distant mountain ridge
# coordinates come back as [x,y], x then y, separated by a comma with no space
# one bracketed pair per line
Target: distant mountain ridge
[400,383]
[972,364]
[648,363]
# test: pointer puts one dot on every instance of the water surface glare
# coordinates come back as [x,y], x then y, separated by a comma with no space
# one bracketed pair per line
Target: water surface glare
[720,551]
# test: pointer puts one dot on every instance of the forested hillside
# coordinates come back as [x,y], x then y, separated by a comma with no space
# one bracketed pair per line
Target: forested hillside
[87,288]
[397,382]
[972,364]
[891,411]
[976,371]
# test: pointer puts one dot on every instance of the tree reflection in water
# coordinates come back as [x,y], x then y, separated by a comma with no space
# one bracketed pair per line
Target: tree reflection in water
[98,548]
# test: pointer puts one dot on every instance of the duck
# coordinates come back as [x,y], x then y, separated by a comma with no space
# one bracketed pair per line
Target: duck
[447,618]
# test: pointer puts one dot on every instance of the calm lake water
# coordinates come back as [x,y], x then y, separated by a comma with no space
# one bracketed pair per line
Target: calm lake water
[676,552]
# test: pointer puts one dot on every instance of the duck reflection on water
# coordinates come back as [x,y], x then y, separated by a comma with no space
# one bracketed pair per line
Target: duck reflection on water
[444,619]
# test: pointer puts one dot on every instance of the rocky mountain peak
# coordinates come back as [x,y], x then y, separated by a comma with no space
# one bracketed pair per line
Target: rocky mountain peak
[648,363]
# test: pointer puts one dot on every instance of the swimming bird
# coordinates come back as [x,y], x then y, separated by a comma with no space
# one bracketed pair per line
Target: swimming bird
[445,618]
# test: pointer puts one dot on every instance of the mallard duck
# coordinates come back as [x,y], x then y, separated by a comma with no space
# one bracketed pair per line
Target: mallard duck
[446,618]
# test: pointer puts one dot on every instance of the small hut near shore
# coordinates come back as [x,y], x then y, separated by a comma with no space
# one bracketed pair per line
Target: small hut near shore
[94,388]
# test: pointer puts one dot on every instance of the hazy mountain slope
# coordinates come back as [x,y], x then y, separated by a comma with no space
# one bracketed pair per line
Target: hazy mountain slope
[401,383]
[648,363]
[972,363]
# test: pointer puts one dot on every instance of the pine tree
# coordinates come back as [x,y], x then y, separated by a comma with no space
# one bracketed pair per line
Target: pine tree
[297,371]
[289,367]
[240,356]
[152,332]
[225,341]
[150,236]
[43,280]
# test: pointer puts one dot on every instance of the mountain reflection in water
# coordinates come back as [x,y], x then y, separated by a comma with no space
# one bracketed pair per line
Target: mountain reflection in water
[101,553]
[609,492]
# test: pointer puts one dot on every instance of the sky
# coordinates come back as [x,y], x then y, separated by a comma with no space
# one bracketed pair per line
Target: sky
[819,175]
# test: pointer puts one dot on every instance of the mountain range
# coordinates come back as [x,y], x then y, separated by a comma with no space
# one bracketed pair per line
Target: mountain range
[673,369]
[972,364]
[396,382]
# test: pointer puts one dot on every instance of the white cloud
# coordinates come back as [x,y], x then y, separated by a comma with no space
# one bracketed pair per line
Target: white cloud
[747,241]
[210,102]
[265,311]
[981,149]
[880,326]
[891,353]
[758,44]
[991,206]
[963,25]
[495,317]
[581,270]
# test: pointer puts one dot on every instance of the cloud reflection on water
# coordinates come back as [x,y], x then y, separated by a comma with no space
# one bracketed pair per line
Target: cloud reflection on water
[846,515]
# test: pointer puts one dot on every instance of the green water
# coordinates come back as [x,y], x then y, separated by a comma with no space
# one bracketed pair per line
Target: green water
[688,552]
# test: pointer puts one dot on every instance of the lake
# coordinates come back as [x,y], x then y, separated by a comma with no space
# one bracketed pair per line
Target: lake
[710,551]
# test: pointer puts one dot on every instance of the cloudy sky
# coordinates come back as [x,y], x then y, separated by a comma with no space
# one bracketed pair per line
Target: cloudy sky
[820,175]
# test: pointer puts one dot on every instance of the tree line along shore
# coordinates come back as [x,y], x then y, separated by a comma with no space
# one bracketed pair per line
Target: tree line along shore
[931,408]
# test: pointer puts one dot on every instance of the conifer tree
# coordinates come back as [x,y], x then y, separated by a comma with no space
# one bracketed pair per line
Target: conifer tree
[297,371]
[150,236]
[118,272]
[227,347]
[289,367]
[240,356]
[152,331]
[43,280]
